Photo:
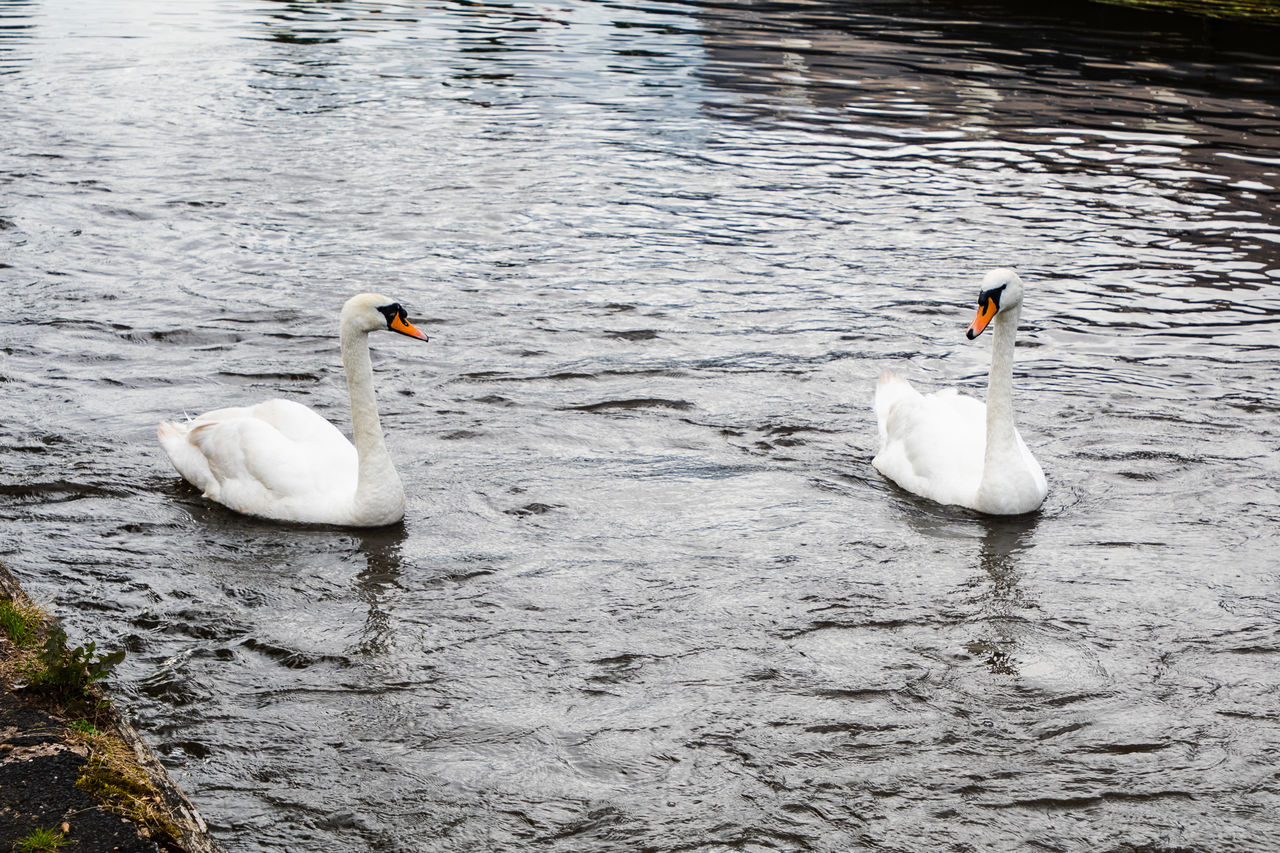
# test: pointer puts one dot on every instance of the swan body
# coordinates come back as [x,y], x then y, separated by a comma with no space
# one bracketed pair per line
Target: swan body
[954,449]
[281,460]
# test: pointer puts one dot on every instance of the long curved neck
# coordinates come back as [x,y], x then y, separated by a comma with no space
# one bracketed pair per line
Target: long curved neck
[1002,434]
[376,468]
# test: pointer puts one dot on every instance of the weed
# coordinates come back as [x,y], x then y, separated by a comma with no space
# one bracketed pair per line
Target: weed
[68,672]
[41,841]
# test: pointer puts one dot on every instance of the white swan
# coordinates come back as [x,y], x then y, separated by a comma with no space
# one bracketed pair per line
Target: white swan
[953,449]
[283,461]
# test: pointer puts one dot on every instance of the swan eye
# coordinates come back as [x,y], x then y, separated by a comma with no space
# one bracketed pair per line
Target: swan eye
[391,312]
[398,321]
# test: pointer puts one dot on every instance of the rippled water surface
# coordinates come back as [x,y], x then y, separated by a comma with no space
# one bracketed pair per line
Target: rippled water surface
[650,593]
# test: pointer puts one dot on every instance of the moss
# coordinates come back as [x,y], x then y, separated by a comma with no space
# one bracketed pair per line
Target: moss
[113,776]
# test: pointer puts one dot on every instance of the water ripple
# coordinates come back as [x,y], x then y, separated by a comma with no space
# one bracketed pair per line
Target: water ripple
[649,592]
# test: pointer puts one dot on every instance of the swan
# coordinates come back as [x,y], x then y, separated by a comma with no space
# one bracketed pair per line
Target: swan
[281,460]
[953,449]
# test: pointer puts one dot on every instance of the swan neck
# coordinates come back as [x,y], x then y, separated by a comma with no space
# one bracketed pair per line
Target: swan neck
[376,470]
[1001,430]
[365,426]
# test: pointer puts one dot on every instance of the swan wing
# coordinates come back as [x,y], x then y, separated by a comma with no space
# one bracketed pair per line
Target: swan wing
[930,444]
[297,422]
[266,460]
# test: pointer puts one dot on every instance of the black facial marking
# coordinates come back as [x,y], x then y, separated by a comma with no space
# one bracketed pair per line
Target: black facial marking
[993,294]
[392,311]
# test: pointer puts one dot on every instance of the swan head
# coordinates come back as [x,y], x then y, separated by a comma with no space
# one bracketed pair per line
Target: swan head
[1001,291]
[372,312]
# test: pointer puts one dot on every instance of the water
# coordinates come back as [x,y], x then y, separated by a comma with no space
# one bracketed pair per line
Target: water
[650,594]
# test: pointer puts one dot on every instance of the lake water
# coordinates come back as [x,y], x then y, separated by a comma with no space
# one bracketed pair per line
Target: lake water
[650,593]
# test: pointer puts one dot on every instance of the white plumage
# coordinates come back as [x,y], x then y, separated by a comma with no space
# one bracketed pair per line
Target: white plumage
[281,460]
[954,449]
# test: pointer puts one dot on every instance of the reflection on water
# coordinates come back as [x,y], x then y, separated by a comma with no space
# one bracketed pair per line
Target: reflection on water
[1003,540]
[1001,596]
[649,592]
[379,578]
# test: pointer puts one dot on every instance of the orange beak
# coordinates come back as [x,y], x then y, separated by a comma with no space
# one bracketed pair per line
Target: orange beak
[404,327]
[986,311]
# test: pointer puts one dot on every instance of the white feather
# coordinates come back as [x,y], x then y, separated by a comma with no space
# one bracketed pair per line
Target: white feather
[281,460]
[954,449]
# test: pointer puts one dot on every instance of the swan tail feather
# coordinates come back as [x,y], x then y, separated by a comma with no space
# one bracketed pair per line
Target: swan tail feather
[890,390]
[175,440]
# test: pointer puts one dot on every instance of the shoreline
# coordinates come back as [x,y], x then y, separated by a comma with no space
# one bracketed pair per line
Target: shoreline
[76,770]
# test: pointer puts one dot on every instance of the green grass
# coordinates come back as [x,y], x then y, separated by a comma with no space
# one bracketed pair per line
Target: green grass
[18,624]
[41,841]
[83,727]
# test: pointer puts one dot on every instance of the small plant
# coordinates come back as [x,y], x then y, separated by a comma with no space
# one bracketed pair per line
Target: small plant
[69,672]
[83,727]
[18,623]
[41,841]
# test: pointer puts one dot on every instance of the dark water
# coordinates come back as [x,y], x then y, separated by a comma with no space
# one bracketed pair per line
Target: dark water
[650,594]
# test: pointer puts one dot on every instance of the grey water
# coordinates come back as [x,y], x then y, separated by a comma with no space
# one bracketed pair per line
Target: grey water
[650,593]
